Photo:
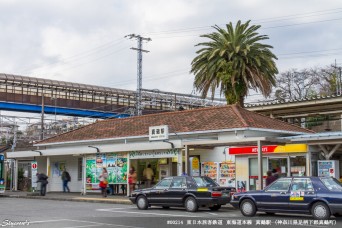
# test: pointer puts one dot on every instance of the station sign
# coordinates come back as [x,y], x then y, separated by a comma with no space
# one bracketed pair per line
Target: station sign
[158,132]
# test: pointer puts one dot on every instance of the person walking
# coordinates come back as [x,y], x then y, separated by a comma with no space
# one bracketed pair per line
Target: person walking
[42,179]
[148,175]
[132,179]
[66,178]
[104,182]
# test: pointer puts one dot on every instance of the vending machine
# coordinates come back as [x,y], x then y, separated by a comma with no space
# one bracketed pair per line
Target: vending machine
[329,168]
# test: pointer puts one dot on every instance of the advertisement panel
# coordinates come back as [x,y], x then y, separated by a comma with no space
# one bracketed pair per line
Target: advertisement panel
[116,165]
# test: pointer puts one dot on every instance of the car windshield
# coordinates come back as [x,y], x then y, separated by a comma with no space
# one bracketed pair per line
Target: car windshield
[332,184]
[205,182]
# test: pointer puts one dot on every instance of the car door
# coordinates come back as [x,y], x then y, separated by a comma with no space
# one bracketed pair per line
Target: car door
[158,193]
[302,194]
[176,192]
[275,197]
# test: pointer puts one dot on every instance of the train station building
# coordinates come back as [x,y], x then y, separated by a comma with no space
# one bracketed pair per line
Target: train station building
[230,144]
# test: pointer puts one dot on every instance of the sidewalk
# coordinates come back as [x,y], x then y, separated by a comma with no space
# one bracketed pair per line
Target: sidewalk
[74,196]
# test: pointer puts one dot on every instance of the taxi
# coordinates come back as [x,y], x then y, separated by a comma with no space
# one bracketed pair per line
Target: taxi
[183,191]
[319,196]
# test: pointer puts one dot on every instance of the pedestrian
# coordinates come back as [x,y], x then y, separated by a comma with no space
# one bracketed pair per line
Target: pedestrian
[42,179]
[270,178]
[275,174]
[103,182]
[132,179]
[66,178]
[148,175]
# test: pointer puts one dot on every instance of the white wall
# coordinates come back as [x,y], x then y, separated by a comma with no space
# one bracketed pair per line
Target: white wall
[242,170]
[212,155]
[55,181]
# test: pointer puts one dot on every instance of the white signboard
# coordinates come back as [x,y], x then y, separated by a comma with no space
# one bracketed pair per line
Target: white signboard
[153,154]
[34,168]
[159,132]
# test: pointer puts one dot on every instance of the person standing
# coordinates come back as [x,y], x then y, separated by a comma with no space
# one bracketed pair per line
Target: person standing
[42,179]
[132,179]
[270,178]
[104,182]
[66,178]
[148,174]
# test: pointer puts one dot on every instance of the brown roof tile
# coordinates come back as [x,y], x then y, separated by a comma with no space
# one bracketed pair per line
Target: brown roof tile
[204,119]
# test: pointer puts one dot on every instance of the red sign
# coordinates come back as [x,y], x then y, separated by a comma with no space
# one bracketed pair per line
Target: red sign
[34,166]
[251,149]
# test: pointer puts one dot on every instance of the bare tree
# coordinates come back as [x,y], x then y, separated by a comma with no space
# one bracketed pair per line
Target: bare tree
[307,83]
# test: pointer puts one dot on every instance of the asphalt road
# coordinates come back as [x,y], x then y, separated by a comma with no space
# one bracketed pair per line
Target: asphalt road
[48,213]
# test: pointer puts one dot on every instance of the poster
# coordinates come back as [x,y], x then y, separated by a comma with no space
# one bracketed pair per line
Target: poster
[116,165]
[227,174]
[209,169]
[241,186]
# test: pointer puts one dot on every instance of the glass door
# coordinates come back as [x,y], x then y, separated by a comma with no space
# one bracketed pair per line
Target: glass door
[298,164]
[278,166]
[253,172]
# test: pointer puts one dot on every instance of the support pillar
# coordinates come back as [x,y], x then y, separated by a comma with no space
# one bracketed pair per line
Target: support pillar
[47,168]
[84,176]
[260,167]
[186,153]
[180,163]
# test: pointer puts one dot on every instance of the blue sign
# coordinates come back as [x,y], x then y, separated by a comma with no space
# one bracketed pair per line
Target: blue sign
[2,157]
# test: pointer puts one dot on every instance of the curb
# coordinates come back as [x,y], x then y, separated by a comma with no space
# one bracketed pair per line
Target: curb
[76,199]
[89,200]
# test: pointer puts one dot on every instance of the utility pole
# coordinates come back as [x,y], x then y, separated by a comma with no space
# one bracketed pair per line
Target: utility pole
[138,105]
[338,79]
[42,120]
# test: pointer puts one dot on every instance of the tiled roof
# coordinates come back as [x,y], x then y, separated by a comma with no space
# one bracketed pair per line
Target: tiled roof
[202,119]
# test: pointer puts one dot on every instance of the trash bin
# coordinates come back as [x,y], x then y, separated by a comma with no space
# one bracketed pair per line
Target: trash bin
[39,186]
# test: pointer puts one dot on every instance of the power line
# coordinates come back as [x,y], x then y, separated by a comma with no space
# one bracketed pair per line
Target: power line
[85,54]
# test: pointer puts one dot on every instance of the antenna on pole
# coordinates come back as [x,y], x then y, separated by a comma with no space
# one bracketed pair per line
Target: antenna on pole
[138,105]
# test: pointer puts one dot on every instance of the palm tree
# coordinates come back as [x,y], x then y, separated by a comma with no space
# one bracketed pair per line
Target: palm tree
[234,60]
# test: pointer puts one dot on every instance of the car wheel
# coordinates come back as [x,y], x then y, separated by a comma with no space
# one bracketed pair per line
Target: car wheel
[191,204]
[142,203]
[215,207]
[165,207]
[320,211]
[248,208]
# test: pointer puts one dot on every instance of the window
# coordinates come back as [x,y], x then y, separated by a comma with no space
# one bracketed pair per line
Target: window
[178,182]
[204,182]
[332,184]
[163,184]
[281,185]
[80,170]
[302,184]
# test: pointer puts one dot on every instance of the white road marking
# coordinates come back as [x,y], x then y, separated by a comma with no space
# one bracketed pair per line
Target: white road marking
[43,221]
[134,212]
[211,213]
[80,221]
[100,223]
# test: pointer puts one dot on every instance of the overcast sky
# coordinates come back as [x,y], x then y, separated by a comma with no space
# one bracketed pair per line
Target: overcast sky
[84,41]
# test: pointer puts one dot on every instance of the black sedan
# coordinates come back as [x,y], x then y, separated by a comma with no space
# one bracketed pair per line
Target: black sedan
[319,196]
[183,191]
